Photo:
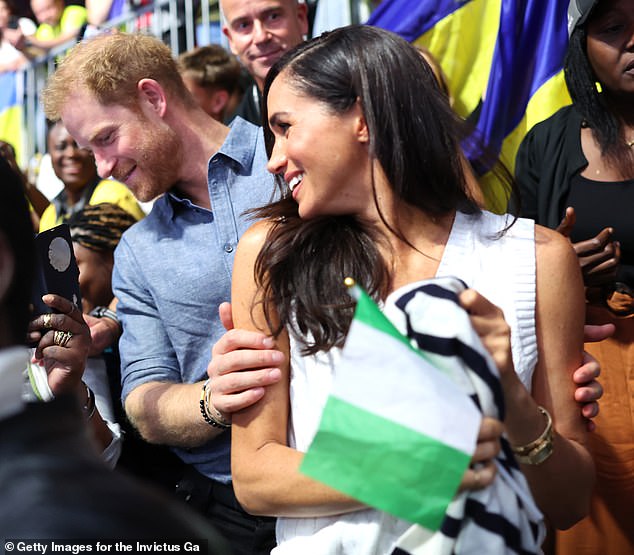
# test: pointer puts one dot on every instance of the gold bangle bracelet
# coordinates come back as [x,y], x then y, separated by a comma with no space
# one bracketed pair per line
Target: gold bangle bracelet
[537,451]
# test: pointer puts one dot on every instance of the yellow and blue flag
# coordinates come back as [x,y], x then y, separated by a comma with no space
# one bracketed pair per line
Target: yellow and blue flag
[11,111]
[503,61]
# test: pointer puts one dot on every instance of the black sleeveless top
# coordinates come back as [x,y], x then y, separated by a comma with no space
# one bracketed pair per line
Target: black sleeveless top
[600,204]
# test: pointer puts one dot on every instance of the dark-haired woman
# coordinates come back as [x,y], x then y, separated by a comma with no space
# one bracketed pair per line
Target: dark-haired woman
[367,153]
[579,165]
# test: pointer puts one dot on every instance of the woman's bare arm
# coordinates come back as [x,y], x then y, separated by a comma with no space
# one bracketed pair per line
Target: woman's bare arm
[562,483]
[265,470]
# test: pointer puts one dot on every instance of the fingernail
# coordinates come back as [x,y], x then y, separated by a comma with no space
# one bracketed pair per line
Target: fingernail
[275,373]
[277,356]
[268,342]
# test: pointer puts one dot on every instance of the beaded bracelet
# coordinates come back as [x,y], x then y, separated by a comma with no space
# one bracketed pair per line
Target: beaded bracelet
[216,420]
[537,451]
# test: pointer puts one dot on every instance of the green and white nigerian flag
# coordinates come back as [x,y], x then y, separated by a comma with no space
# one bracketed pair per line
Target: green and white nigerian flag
[396,433]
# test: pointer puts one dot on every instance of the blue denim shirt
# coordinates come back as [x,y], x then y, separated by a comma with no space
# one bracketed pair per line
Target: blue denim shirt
[173,269]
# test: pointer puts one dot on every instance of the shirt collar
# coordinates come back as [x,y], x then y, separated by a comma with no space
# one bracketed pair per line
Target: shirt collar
[239,146]
[240,143]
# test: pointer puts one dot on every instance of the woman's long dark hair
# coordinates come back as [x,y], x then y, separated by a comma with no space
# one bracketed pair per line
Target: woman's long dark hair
[414,135]
[592,105]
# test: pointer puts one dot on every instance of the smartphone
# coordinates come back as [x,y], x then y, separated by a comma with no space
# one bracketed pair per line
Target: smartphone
[56,268]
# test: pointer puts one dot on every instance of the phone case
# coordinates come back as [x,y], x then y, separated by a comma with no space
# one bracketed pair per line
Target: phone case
[56,268]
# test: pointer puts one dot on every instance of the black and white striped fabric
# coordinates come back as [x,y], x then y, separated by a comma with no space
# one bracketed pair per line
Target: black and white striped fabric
[502,518]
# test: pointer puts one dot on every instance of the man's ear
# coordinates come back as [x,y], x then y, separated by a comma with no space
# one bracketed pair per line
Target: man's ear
[219,101]
[152,95]
[302,17]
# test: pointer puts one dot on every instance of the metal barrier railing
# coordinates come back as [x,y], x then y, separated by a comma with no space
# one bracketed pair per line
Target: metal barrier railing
[172,20]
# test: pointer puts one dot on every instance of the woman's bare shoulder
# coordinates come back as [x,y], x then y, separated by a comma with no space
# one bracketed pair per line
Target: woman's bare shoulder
[552,244]
[255,236]
[559,277]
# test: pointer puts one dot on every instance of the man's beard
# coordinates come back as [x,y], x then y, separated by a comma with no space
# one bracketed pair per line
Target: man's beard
[161,156]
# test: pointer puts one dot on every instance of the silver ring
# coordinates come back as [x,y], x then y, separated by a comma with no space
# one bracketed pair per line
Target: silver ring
[46,321]
[61,338]
[476,478]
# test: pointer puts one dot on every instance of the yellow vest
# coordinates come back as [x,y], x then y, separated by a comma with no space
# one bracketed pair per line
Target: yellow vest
[107,190]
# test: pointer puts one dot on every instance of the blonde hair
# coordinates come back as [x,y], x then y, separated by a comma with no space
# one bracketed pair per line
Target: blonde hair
[110,66]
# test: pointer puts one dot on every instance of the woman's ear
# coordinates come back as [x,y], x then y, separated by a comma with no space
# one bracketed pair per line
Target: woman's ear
[362,131]
[360,125]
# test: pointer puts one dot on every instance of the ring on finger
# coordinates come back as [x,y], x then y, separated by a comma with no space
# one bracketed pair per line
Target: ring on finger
[61,338]
[476,477]
[46,321]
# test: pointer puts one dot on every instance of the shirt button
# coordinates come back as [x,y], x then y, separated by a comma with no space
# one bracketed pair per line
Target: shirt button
[228,247]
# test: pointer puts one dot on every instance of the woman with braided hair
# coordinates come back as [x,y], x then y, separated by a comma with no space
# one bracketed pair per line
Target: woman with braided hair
[96,231]
[577,167]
